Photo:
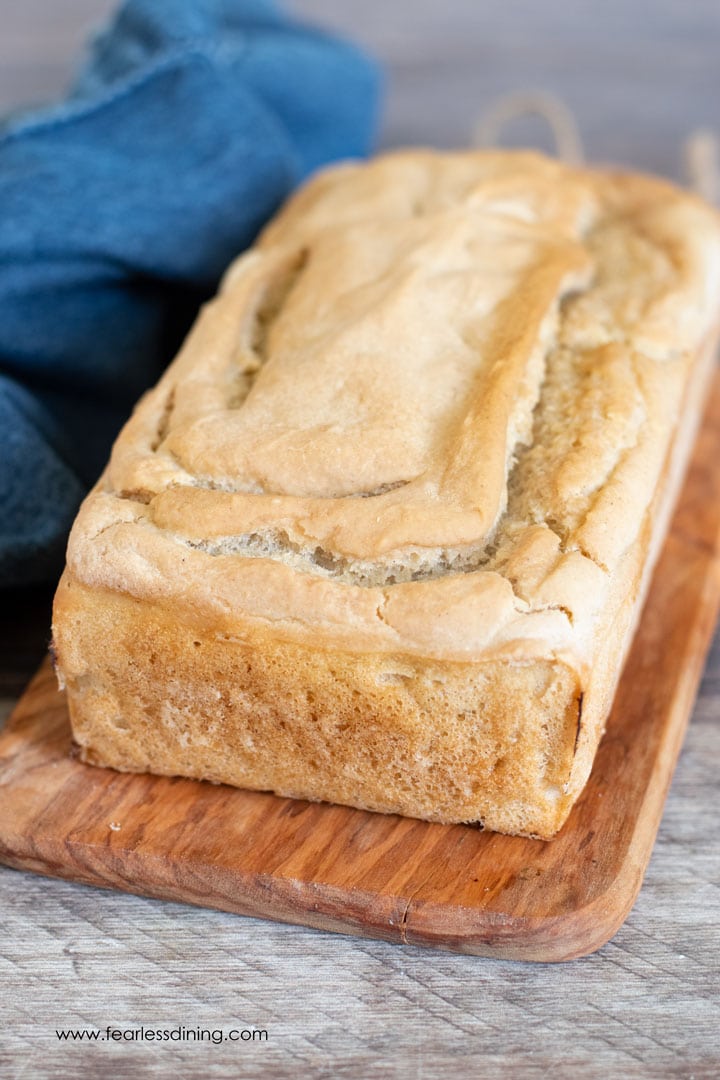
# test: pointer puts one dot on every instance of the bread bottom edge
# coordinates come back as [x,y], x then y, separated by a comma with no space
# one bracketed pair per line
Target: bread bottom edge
[491,743]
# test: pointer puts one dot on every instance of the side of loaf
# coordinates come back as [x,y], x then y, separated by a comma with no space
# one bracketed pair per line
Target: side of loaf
[381,534]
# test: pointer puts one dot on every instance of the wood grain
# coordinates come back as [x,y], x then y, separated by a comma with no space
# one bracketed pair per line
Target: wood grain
[381,876]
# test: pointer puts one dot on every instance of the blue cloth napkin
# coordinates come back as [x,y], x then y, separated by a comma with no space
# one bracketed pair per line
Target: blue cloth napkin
[119,210]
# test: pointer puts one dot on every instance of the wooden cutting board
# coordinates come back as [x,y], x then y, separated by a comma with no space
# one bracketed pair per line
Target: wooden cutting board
[453,887]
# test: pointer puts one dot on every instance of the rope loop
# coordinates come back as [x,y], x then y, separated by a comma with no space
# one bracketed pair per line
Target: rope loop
[701,156]
[701,150]
[548,107]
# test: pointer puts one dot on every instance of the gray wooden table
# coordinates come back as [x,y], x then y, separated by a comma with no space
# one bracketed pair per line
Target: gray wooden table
[639,76]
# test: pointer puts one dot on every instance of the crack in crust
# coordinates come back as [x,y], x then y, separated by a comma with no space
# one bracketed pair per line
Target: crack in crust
[254,350]
[276,544]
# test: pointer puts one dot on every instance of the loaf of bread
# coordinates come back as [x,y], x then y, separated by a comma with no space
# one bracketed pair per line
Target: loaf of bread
[381,534]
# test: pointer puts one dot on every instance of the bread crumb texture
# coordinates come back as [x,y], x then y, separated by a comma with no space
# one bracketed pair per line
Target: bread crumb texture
[381,532]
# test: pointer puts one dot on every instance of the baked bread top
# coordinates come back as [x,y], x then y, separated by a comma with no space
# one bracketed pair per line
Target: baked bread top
[427,413]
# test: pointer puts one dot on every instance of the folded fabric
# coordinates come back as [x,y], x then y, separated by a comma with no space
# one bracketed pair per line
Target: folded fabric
[119,210]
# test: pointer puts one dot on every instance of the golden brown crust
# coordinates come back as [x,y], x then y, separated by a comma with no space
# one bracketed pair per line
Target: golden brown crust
[490,743]
[433,418]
